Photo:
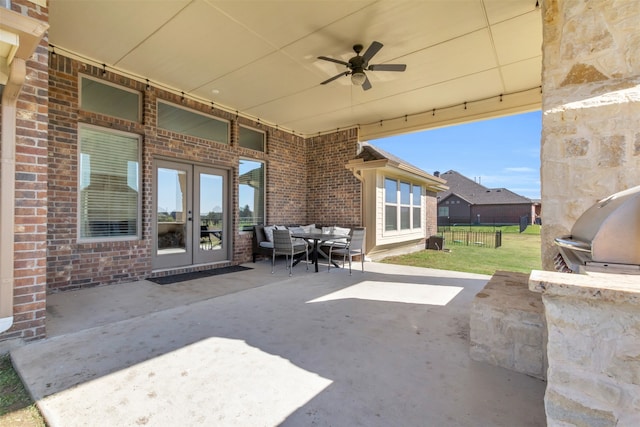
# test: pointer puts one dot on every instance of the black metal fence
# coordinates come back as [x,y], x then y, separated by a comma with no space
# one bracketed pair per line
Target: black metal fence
[483,239]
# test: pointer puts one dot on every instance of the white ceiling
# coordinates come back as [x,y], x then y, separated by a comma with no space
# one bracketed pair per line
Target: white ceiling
[260,57]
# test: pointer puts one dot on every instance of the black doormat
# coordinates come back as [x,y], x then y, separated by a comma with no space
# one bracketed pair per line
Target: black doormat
[176,278]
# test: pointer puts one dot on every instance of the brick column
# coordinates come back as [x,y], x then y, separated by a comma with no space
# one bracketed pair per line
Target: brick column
[30,239]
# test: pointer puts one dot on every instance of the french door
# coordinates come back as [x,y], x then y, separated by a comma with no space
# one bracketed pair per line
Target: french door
[190,215]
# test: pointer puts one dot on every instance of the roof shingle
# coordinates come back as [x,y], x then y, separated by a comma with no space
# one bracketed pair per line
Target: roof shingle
[478,194]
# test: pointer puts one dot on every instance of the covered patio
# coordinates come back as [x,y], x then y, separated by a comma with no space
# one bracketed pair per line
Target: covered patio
[252,68]
[385,347]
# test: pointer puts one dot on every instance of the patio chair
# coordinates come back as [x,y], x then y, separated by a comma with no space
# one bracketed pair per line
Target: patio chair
[284,245]
[355,246]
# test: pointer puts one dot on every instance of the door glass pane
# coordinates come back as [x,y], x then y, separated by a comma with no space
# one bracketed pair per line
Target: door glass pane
[172,211]
[211,212]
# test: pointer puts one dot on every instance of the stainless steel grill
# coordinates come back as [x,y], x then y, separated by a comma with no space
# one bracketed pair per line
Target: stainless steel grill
[606,237]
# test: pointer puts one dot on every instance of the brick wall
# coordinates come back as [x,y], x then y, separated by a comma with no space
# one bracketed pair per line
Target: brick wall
[334,194]
[431,211]
[287,179]
[31,193]
[71,264]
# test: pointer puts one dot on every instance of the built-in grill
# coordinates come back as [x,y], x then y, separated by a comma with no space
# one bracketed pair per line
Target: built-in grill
[606,237]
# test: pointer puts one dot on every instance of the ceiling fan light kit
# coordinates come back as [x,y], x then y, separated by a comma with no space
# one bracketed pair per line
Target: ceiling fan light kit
[358,78]
[359,64]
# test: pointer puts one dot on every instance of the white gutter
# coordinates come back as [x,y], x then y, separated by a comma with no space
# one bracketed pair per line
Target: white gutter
[8,189]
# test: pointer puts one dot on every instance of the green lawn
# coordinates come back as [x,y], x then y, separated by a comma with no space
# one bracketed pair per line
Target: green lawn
[519,252]
[16,407]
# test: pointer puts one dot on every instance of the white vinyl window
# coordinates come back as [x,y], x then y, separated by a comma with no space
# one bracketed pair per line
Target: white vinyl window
[416,206]
[403,202]
[109,181]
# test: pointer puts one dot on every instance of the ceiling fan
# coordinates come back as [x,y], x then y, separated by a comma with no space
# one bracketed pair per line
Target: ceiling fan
[359,64]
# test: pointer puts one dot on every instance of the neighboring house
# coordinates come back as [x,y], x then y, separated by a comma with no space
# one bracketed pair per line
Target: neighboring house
[468,202]
[398,201]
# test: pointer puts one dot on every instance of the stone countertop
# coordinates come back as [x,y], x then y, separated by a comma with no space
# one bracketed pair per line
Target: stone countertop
[509,289]
[593,286]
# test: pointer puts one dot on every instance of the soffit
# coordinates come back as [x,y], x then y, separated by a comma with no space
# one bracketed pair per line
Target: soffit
[260,57]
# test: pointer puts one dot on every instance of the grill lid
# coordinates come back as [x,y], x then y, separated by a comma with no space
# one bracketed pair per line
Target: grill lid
[609,231]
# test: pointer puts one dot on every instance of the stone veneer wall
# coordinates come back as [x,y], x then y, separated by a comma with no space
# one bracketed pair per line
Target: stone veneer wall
[591,108]
[593,348]
[29,303]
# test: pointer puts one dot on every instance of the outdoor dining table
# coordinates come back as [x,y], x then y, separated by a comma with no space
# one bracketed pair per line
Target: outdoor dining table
[319,238]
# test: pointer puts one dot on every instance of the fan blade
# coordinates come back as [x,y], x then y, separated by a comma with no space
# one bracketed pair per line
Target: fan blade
[335,77]
[366,85]
[337,61]
[387,67]
[372,50]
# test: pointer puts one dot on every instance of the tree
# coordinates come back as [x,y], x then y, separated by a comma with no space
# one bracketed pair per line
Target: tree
[246,212]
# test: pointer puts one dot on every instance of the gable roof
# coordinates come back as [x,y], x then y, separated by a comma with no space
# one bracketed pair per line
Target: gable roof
[372,157]
[477,194]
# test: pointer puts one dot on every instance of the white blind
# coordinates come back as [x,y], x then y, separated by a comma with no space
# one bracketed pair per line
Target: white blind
[109,177]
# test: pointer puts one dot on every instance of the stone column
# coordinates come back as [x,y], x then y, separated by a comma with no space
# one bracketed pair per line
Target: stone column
[591,108]
[593,348]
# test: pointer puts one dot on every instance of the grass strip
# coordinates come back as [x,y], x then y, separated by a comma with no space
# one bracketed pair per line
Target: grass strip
[16,407]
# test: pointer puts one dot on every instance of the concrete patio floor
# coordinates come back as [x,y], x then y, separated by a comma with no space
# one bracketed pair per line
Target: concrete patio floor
[388,347]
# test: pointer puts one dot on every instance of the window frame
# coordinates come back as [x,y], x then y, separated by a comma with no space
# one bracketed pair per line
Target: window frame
[138,235]
[264,138]
[82,77]
[196,112]
[398,204]
[264,193]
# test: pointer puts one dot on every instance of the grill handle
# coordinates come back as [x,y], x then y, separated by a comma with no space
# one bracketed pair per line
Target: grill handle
[575,245]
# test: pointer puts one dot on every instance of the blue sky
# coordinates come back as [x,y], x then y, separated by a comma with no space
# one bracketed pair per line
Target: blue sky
[498,153]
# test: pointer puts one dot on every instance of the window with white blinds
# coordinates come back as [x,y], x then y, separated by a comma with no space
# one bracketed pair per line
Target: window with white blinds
[109,202]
